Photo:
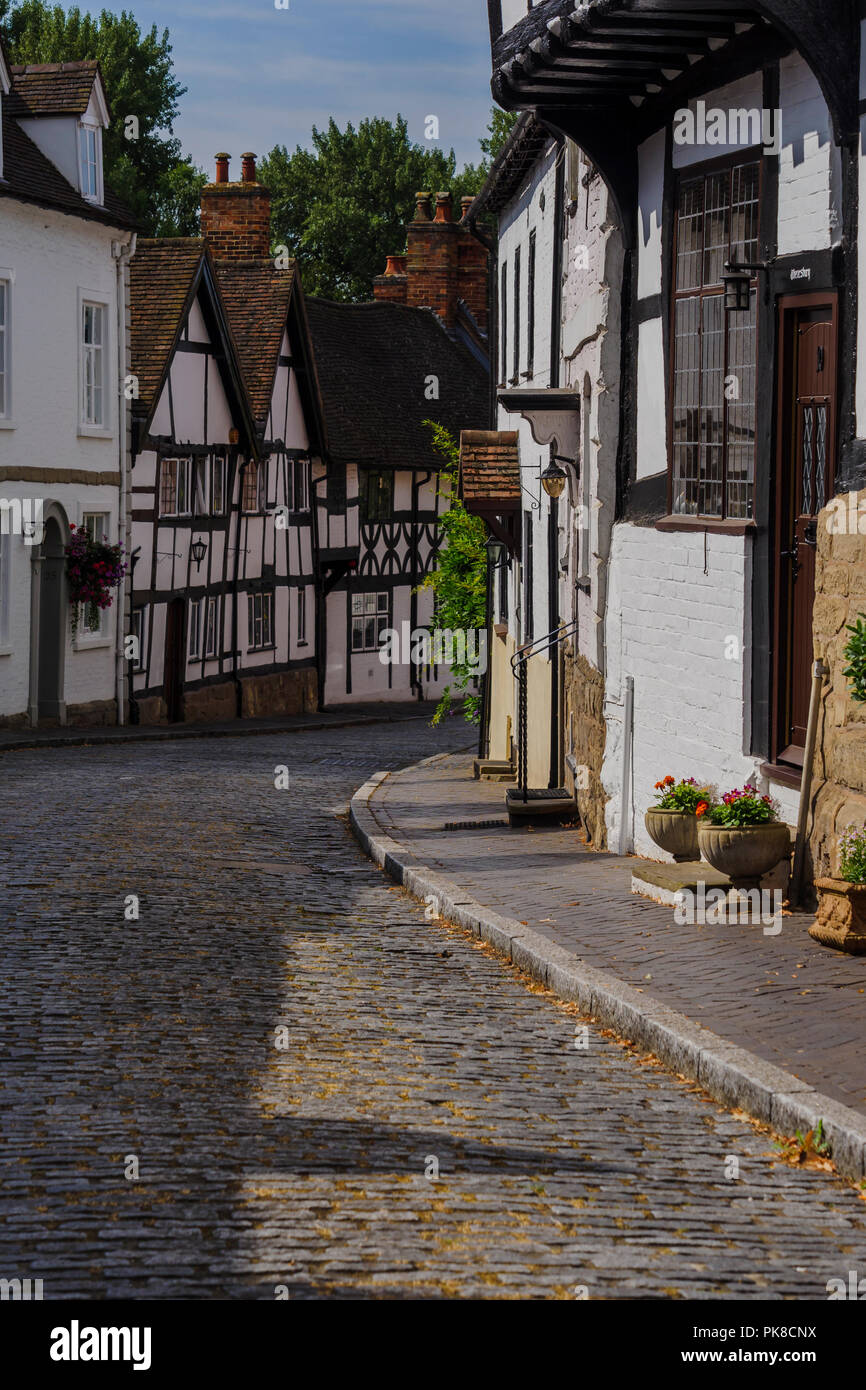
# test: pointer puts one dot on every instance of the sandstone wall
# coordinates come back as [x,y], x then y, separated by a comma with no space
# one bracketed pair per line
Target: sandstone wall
[839,786]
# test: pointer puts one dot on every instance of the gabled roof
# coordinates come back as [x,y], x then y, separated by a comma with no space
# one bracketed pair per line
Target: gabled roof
[30,177]
[261,302]
[375,364]
[54,89]
[489,470]
[523,148]
[166,275]
[257,297]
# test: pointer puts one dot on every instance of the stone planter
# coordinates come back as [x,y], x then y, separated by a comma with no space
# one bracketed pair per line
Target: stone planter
[841,920]
[744,855]
[676,832]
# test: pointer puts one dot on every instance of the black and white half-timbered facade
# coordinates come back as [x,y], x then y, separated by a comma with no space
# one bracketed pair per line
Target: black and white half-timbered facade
[202,617]
[728,135]
[385,369]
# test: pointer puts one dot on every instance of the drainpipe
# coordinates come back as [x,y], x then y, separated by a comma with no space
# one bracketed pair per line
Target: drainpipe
[627,752]
[819,674]
[239,693]
[122,252]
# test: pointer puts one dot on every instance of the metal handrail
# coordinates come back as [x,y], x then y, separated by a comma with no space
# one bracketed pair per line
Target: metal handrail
[560,633]
[519,662]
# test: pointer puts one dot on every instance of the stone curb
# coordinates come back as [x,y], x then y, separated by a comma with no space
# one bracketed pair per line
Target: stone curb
[730,1074]
[131,733]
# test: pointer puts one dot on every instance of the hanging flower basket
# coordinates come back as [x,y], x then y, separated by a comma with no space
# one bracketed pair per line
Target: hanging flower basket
[93,569]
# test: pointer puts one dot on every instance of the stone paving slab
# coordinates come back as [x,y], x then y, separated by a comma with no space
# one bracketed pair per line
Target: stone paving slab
[786,999]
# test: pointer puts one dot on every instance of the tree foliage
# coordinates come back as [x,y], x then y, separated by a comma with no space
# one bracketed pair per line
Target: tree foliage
[159,186]
[342,206]
[459,582]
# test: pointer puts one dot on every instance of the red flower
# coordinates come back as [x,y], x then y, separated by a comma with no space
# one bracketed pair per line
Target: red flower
[701,809]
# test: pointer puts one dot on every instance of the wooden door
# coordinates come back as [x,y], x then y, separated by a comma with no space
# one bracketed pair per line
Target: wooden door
[174,661]
[806,479]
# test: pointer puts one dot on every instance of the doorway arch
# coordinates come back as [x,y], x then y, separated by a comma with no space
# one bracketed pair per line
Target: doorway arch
[49,617]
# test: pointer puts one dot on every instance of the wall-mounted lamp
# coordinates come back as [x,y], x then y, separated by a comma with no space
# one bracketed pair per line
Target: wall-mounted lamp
[737,280]
[553,479]
[198,550]
[495,551]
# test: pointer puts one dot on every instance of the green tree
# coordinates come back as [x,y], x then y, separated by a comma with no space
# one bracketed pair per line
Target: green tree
[501,125]
[342,206]
[459,582]
[149,173]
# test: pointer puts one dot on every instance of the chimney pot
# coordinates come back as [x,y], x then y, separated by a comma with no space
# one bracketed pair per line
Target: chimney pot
[248,167]
[444,205]
[396,265]
[423,207]
[465,203]
[222,167]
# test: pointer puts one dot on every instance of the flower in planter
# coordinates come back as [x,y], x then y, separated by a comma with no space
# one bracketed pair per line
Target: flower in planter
[852,855]
[742,807]
[93,569]
[686,795]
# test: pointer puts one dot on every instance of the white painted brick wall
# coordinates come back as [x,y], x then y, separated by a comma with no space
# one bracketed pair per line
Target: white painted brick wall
[671,636]
[809,170]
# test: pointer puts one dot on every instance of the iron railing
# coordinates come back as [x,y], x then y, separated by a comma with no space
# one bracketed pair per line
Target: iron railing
[519,662]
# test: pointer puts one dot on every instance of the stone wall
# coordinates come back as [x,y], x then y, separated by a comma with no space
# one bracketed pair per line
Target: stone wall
[839,786]
[584,721]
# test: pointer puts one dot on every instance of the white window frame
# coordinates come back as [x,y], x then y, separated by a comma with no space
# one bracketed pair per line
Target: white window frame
[95,636]
[5,349]
[201,486]
[90,138]
[211,628]
[219,471]
[195,611]
[302,485]
[367,608]
[260,620]
[138,628]
[301,611]
[100,428]
[183,468]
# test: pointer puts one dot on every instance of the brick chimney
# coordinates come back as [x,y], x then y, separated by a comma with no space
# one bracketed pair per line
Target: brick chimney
[444,262]
[236,217]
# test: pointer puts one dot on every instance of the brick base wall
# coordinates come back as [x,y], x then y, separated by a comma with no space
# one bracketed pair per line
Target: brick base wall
[584,713]
[839,786]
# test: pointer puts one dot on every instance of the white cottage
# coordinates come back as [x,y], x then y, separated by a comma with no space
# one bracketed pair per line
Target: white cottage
[728,137]
[65,243]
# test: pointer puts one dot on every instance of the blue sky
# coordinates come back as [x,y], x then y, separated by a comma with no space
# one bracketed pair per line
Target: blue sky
[257,76]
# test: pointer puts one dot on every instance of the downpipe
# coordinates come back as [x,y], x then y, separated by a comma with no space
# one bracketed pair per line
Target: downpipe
[820,672]
[627,757]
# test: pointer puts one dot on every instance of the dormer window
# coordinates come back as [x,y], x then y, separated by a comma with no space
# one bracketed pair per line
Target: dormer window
[90,161]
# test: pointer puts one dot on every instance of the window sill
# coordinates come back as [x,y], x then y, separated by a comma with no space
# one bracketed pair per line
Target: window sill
[714,526]
[7,424]
[5,650]
[253,651]
[94,432]
[783,772]
[501,630]
[303,644]
[90,644]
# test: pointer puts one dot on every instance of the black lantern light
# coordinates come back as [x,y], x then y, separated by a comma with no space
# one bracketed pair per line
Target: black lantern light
[198,550]
[553,479]
[737,281]
[495,551]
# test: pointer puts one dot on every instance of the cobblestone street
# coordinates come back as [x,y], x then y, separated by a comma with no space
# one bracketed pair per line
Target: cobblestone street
[286,1051]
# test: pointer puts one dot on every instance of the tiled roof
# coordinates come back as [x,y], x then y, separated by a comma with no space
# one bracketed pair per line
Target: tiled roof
[524,146]
[489,468]
[375,363]
[257,297]
[52,89]
[30,177]
[163,276]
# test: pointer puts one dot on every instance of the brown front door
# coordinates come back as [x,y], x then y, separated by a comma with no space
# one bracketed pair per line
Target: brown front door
[174,661]
[806,476]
